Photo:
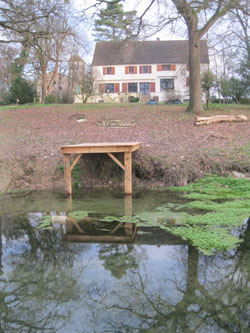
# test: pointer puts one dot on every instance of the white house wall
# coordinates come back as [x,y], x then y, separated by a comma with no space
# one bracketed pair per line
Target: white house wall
[179,75]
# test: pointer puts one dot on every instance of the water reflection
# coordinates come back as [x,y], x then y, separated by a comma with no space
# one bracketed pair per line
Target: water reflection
[153,284]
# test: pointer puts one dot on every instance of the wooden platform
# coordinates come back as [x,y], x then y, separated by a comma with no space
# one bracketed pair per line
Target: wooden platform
[100,148]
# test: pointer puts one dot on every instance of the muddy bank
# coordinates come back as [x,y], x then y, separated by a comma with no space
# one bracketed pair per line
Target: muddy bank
[95,171]
[174,151]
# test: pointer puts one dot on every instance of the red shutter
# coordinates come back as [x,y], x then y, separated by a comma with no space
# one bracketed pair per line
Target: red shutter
[126,69]
[152,87]
[113,70]
[173,67]
[124,87]
[140,69]
[150,69]
[104,70]
[187,81]
[101,88]
[159,68]
[135,69]
[117,87]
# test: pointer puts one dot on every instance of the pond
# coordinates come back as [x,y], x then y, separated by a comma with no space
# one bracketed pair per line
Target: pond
[85,272]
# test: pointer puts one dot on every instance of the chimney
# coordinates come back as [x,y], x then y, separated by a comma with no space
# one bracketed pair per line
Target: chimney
[157,38]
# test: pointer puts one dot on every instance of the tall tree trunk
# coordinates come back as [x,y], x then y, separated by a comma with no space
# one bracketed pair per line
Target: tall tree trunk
[195,93]
[44,83]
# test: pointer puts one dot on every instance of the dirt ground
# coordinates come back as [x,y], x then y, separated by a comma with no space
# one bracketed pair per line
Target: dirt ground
[174,151]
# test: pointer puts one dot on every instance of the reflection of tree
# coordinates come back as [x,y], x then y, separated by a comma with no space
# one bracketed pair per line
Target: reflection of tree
[118,259]
[1,247]
[37,284]
[198,309]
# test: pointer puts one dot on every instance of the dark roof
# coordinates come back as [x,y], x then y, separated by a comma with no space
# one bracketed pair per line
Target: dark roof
[147,52]
[76,58]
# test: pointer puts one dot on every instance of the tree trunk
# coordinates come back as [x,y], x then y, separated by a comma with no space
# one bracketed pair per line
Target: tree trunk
[219,119]
[44,83]
[195,94]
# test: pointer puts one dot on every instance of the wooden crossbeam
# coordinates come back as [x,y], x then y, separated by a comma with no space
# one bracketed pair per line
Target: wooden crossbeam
[75,161]
[116,161]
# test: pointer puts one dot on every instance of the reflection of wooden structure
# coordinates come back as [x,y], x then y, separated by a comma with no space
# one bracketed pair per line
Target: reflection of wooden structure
[127,231]
[129,237]
[108,148]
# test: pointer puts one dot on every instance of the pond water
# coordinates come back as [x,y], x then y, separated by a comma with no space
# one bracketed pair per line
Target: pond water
[84,275]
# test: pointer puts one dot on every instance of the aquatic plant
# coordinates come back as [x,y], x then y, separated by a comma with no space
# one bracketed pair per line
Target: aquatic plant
[45,223]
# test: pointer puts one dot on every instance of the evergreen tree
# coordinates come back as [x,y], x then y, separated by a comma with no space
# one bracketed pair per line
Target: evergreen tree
[114,24]
[22,91]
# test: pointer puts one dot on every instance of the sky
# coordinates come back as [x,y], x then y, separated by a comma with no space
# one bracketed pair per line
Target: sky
[139,5]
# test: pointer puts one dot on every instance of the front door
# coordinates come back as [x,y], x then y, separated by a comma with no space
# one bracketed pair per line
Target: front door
[144,88]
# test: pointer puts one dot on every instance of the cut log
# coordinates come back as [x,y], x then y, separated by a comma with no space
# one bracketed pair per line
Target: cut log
[219,119]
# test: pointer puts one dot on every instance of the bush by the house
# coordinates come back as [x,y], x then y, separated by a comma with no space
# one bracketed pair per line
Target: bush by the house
[50,99]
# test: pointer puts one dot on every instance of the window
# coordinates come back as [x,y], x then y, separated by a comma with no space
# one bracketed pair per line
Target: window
[145,69]
[131,69]
[109,71]
[166,67]
[109,88]
[167,84]
[132,87]
[171,67]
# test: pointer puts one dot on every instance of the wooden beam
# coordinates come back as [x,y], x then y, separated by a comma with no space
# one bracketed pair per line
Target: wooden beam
[116,161]
[128,173]
[116,228]
[67,173]
[96,239]
[75,161]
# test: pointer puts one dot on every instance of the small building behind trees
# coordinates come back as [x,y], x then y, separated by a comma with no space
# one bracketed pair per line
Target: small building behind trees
[64,86]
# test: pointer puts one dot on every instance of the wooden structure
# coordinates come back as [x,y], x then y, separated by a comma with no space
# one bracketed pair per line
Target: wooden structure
[100,148]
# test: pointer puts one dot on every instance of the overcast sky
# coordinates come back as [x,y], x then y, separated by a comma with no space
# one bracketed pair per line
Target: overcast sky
[139,6]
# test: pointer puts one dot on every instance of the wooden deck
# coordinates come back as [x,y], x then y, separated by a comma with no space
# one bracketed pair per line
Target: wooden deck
[100,148]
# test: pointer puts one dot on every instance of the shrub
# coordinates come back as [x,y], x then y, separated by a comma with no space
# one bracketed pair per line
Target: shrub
[245,100]
[50,99]
[67,97]
[133,99]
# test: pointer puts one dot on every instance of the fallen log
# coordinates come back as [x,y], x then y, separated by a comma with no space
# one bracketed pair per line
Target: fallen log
[219,119]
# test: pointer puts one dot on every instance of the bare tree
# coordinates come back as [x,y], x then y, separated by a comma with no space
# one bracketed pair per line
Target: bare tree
[47,50]
[21,17]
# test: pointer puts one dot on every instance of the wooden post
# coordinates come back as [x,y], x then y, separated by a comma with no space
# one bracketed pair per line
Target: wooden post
[128,173]
[67,173]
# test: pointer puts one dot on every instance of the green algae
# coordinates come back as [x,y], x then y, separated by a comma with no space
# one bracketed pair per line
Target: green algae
[215,207]
[225,205]
[45,223]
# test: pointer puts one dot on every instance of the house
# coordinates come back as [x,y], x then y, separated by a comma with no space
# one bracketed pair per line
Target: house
[145,69]
[62,84]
